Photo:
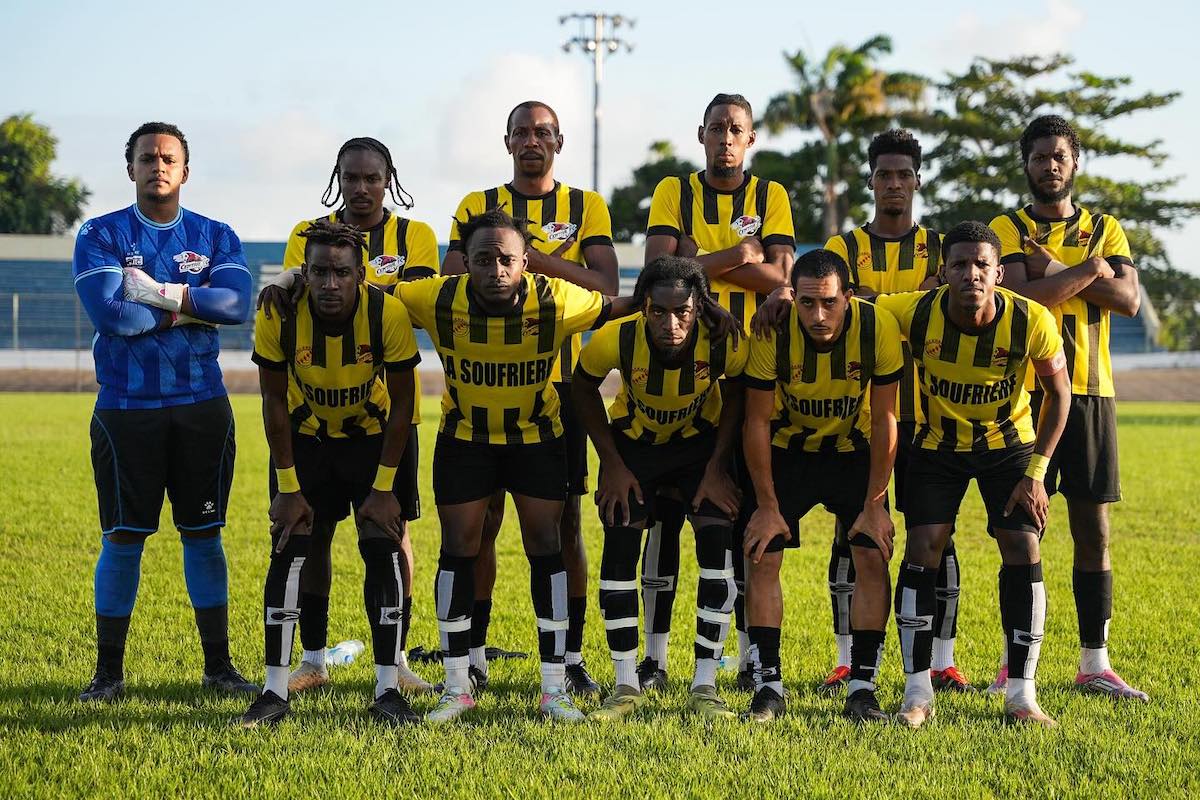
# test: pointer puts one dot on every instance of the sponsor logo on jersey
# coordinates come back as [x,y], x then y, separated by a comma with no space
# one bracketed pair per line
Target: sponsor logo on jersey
[133,258]
[1000,357]
[365,356]
[933,347]
[191,262]
[701,370]
[304,356]
[854,371]
[746,225]
[559,231]
[387,265]
[531,326]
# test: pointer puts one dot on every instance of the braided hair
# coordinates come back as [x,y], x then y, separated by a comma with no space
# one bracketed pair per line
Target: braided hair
[685,273]
[333,234]
[333,191]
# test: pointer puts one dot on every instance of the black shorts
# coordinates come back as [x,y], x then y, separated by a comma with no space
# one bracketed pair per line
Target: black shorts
[1084,464]
[467,471]
[185,451]
[336,474]
[574,440]
[803,480]
[936,482]
[906,432]
[676,465]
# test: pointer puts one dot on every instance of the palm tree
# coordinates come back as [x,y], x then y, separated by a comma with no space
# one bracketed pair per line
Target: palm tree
[842,96]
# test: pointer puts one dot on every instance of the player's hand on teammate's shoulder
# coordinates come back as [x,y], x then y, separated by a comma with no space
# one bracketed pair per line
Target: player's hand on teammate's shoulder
[1030,495]
[616,485]
[765,524]
[290,514]
[282,294]
[772,313]
[875,521]
[382,509]
[719,489]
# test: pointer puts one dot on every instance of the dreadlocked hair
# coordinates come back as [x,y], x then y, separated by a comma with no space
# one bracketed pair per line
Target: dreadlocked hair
[333,234]
[333,191]
[492,218]
[684,273]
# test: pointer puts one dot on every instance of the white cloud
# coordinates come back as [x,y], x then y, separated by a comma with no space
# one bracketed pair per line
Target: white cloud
[1051,31]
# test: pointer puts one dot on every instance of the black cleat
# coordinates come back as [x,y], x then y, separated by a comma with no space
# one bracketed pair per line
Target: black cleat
[268,709]
[745,679]
[390,708]
[863,707]
[479,679]
[765,706]
[104,688]
[651,677]
[579,682]
[228,679]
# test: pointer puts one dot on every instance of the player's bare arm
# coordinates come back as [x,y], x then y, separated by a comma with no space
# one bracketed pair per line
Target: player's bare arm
[617,483]
[381,507]
[1121,292]
[717,486]
[1030,492]
[290,512]
[766,523]
[874,520]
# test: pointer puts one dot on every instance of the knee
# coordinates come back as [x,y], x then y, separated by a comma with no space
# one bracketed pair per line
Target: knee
[541,540]
[765,572]
[923,548]
[1018,547]
[869,564]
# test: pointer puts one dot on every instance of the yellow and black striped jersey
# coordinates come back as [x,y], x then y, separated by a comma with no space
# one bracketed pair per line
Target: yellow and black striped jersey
[498,366]
[973,393]
[822,404]
[398,249]
[335,384]
[718,220]
[1084,326]
[888,265]
[658,402]
[561,214]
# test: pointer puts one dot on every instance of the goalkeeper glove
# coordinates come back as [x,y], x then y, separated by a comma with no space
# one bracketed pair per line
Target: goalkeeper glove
[141,288]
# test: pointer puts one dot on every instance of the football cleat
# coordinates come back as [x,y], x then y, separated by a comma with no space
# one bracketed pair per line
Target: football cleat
[651,677]
[1111,684]
[914,714]
[950,679]
[834,681]
[267,709]
[103,688]
[861,706]
[1031,714]
[228,679]
[307,676]
[703,701]
[479,679]
[622,702]
[390,708]
[557,706]
[450,706]
[765,706]
[745,679]
[579,682]
[1001,683]
[411,682]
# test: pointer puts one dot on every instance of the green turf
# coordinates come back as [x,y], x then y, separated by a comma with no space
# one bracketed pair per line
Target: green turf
[169,738]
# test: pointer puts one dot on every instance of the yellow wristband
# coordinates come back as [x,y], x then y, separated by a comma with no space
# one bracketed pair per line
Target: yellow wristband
[385,477]
[288,482]
[1037,467]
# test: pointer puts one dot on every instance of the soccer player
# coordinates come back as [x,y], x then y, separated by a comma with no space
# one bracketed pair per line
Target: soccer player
[892,253]
[572,240]
[739,227]
[398,249]
[834,364]
[155,280]
[498,331]
[337,433]
[973,342]
[1078,264]
[673,428]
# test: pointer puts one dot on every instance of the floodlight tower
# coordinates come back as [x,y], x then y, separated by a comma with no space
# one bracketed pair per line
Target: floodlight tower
[597,37]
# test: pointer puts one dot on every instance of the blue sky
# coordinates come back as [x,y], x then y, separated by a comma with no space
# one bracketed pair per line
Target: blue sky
[267,91]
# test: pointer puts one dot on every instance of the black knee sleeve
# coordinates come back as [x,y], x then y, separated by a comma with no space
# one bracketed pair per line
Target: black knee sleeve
[383,591]
[618,591]
[281,600]
[1023,611]
[946,589]
[715,591]
[914,615]
[548,586]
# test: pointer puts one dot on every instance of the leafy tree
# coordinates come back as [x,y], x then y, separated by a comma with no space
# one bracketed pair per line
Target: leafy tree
[630,205]
[32,199]
[979,172]
[802,173]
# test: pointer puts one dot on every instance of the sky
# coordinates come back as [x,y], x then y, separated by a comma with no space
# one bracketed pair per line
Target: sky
[267,91]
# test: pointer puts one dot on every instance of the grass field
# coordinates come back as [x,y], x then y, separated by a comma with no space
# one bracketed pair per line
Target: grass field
[169,738]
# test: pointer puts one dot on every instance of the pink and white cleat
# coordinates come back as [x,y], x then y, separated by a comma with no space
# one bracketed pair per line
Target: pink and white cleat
[1027,714]
[1111,684]
[1001,683]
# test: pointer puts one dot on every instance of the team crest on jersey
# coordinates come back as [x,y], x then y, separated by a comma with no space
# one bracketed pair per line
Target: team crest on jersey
[746,225]
[1084,236]
[191,262]
[531,326]
[1000,357]
[304,356]
[864,260]
[797,373]
[922,250]
[460,326]
[640,376]
[933,347]
[854,371]
[701,370]
[365,356]
[559,231]
[387,265]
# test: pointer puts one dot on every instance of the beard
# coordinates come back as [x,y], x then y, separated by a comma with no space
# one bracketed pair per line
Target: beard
[725,172]
[1047,196]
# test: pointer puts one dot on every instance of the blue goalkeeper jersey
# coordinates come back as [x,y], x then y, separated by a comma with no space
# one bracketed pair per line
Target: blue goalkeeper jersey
[138,365]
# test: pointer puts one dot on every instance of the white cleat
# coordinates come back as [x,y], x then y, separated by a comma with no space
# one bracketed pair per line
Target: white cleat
[410,682]
[914,713]
[1027,714]
[557,706]
[451,705]
[307,676]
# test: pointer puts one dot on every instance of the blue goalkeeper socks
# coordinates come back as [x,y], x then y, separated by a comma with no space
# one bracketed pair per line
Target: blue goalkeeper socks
[118,571]
[205,571]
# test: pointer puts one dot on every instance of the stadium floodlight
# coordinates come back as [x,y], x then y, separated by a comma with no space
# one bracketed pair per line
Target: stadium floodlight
[597,36]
